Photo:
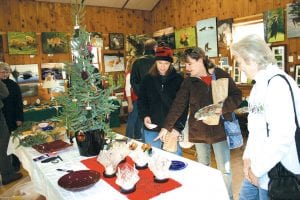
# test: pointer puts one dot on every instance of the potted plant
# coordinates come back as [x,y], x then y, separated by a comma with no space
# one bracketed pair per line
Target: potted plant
[86,105]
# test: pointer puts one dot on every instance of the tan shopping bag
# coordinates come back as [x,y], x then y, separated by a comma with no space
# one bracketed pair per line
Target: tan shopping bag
[219,93]
[219,89]
[170,142]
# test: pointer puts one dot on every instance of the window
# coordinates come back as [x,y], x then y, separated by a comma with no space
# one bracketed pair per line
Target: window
[241,30]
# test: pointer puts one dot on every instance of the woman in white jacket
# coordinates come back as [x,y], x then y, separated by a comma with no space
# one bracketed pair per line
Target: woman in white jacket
[270,103]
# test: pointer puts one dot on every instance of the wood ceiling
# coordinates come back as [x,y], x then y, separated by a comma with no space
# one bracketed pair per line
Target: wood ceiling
[127,4]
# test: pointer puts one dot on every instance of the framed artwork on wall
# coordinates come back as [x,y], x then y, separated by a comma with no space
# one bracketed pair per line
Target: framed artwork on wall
[185,37]
[224,61]
[29,89]
[280,55]
[224,32]
[22,43]
[55,42]
[96,39]
[207,36]
[166,37]
[274,25]
[28,73]
[114,62]
[55,69]
[293,20]
[116,41]
[297,74]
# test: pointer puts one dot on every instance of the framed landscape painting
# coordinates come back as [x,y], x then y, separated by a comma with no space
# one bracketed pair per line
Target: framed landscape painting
[207,36]
[22,43]
[25,73]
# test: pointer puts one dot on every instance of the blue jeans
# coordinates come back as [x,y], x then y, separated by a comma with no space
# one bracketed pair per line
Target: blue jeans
[222,156]
[252,192]
[134,124]
[151,135]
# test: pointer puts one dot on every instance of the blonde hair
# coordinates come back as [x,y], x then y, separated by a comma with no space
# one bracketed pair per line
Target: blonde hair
[4,66]
[130,61]
[253,48]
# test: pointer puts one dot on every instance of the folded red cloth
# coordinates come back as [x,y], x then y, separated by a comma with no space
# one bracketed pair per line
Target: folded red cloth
[146,188]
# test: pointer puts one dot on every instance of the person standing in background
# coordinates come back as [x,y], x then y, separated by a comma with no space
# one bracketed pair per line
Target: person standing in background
[196,92]
[271,118]
[13,105]
[133,128]
[7,172]
[157,92]
[140,68]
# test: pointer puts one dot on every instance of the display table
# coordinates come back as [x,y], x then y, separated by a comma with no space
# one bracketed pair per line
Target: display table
[40,114]
[198,181]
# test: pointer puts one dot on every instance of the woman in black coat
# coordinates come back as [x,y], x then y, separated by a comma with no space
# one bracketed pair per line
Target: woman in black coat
[13,105]
[157,92]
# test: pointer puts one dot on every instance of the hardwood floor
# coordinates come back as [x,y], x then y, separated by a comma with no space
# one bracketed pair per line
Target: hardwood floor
[236,164]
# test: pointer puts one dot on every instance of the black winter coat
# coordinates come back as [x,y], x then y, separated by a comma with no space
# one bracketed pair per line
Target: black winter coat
[13,104]
[156,97]
[140,69]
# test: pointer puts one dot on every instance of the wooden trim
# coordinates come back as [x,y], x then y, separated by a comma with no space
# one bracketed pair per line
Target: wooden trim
[244,20]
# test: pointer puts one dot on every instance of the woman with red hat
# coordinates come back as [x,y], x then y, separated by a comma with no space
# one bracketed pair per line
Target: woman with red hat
[157,92]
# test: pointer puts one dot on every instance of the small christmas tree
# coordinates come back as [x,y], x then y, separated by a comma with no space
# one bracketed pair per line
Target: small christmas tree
[86,104]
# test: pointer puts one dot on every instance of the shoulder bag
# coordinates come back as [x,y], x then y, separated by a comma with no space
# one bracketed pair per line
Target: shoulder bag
[233,132]
[284,184]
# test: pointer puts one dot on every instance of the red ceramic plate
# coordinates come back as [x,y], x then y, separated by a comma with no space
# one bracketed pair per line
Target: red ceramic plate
[79,180]
[50,147]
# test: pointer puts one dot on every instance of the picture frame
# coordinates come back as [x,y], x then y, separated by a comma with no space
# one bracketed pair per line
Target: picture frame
[22,43]
[293,20]
[55,42]
[274,25]
[165,36]
[207,37]
[28,73]
[185,37]
[224,29]
[280,55]
[224,61]
[297,74]
[116,41]
[113,62]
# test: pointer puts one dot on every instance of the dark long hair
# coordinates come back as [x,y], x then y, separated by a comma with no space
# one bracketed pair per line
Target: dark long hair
[197,53]
[153,71]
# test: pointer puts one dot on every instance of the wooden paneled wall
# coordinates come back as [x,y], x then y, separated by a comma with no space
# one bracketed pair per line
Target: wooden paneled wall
[185,13]
[33,16]
[30,15]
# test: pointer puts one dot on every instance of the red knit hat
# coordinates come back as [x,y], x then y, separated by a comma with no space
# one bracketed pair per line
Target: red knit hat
[164,53]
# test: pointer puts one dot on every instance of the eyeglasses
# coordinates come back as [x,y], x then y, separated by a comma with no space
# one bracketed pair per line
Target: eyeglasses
[4,72]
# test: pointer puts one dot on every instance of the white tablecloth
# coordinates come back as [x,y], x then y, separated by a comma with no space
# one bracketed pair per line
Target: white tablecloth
[198,181]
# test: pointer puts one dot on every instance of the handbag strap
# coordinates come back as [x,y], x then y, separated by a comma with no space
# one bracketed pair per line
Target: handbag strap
[295,113]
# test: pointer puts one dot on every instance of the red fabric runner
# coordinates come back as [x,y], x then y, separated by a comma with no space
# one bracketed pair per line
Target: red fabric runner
[146,188]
